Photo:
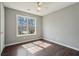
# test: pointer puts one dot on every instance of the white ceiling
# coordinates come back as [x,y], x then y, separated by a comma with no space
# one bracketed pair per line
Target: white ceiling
[47,7]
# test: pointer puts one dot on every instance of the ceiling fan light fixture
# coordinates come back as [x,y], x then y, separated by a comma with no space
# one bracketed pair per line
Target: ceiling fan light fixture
[39,5]
[39,8]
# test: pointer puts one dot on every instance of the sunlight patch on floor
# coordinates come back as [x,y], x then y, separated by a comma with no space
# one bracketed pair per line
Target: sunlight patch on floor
[36,46]
[42,44]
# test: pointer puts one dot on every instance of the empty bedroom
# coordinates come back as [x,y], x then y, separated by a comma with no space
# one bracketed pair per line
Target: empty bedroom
[39,28]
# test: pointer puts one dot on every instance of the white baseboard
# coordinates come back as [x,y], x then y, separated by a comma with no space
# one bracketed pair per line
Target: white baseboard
[62,44]
[19,42]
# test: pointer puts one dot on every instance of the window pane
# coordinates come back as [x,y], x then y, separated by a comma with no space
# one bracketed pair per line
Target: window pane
[31,26]
[22,25]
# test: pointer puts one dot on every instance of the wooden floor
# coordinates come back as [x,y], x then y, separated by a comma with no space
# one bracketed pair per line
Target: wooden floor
[53,50]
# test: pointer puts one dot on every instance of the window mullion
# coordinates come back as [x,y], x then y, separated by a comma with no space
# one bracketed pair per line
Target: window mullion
[27,26]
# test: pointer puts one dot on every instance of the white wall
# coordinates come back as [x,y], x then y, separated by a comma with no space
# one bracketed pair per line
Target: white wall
[2,31]
[62,27]
[10,27]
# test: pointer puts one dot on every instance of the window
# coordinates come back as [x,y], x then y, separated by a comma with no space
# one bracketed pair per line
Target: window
[25,25]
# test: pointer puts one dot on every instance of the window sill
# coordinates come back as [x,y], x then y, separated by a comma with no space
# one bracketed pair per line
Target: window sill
[25,35]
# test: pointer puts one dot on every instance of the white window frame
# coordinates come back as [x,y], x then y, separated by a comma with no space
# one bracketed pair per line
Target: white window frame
[27,25]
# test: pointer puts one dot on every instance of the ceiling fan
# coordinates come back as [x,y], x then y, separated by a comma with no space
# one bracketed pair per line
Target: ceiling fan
[39,5]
